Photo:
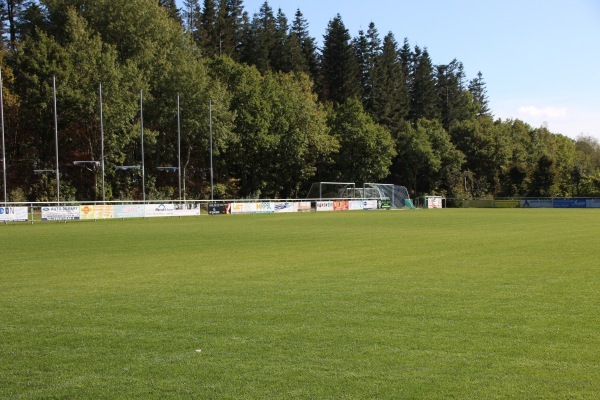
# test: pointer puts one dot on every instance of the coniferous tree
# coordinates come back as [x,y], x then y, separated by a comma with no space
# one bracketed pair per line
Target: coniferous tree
[361,47]
[454,102]
[209,39]
[339,68]
[390,102]
[229,27]
[478,90]
[422,92]
[11,10]
[192,17]
[172,9]
[307,44]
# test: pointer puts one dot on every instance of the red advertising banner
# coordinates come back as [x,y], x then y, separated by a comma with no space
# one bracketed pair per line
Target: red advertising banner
[341,205]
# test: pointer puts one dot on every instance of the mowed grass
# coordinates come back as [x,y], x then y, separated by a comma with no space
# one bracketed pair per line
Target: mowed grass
[412,304]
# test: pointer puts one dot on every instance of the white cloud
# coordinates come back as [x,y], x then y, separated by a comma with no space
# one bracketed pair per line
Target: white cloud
[546,112]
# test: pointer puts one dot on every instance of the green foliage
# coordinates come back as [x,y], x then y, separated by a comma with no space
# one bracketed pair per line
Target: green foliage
[366,149]
[271,135]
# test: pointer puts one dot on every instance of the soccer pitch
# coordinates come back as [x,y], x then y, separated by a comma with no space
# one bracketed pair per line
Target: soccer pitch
[473,303]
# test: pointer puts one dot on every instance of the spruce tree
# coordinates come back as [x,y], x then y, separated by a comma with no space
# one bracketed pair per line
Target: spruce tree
[307,44]
[423,92]
[339,65]
[390,93]
[478,90]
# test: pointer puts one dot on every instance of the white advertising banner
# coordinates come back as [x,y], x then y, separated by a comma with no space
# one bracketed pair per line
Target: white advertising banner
[253,208]
[97,212]
[13,214]
[434,202]
[159,210]
[60,213]
[129,211]
[186,210]
[286,207]
[304,206]
[362,205]
[324,205]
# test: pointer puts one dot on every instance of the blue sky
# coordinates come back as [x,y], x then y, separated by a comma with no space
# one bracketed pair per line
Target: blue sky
[540,59]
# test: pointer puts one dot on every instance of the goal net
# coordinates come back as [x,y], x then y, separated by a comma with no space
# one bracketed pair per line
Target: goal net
[333,190]
[397,195]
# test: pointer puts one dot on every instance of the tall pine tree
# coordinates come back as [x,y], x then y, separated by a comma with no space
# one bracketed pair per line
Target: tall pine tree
[339,69]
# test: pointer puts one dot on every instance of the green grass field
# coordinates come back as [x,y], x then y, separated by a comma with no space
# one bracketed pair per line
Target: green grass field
[456,303]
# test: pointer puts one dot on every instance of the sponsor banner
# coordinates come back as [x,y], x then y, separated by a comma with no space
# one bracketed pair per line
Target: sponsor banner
[222,208]
[243,208]
[593,203]
[129,211]
[159,210]
[13,214]
[253,208]
[60,213]
[369,204]
[97,212]
[264,207]
[286,207]
[507,203]
[362,205]
[356,205]
[536,203]
[569,203]
[304,206]
[324,205]
[433,202]
[384,204]
[186,210]
[340,205]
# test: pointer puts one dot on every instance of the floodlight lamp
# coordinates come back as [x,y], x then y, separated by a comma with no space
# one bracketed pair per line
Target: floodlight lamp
[126,167]
[82,162]
[169,169]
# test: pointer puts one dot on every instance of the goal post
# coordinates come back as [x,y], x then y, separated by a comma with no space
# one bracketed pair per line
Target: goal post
[397,195]
[332,190]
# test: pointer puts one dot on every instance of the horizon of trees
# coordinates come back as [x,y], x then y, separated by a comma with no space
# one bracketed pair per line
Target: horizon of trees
[285,113]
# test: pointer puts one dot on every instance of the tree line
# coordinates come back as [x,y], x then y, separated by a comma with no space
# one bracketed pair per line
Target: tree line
[285,112]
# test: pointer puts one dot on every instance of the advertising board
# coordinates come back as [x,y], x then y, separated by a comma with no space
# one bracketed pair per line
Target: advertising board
[97,212]
[593,203]
[536,203]
[129,211]
[159,210]
[569,203]
[60,213]
[13,214]
[186,210]
[340,205]
[220,208]
[285,207]
[324,205]
[304,206]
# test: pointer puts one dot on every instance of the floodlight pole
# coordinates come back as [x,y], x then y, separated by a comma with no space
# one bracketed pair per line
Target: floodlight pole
[142,140]
[56,141]
[179,146]
[102,144]
[3,143]
[211,150]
